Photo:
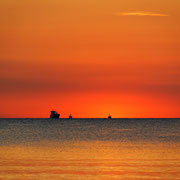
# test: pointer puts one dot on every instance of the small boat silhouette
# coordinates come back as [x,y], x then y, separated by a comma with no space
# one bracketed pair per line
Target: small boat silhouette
[109,117]
[70,117]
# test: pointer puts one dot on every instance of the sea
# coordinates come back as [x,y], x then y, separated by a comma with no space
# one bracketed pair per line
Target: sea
[89,149]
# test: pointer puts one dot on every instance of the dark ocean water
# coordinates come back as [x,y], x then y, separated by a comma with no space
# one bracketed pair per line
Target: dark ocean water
[89,148]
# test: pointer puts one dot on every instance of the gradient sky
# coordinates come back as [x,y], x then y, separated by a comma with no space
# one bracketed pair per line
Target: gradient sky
[90,58]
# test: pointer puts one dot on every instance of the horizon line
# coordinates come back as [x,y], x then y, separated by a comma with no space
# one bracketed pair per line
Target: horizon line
[91,118]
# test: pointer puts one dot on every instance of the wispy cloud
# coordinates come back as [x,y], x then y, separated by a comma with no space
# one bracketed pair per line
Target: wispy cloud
[137,13]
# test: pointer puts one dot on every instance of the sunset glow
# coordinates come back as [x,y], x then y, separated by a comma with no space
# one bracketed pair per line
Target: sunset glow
[90,58]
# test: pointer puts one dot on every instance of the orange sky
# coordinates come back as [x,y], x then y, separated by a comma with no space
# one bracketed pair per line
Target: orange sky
[90,58]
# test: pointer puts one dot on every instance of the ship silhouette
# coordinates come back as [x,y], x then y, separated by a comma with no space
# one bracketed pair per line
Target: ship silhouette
[54,114]
[109,117]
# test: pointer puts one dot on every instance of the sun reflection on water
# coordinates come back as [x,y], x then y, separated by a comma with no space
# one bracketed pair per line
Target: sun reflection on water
[91,160]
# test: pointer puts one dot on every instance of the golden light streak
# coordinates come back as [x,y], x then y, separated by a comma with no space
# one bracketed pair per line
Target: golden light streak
[141,14]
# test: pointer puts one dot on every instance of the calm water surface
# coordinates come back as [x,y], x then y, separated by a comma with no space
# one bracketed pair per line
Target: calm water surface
[47,149]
